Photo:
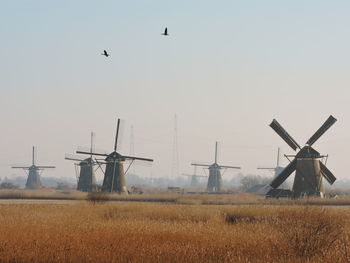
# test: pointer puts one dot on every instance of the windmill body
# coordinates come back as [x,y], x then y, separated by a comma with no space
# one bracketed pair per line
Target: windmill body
[87,179]
[308,178]
[33,180]
[114,179]
[215,176]
[309,170]
[277,169]
[194,178]
[114,175]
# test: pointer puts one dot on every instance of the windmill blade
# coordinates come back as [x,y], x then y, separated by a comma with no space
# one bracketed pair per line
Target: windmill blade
[139,163]
[113,174]
[231,167]
[137,158]
[284,134]
[284,174]
[92,137]
[328,123]
[33,156]
[90,153]
[99,165]
[327,174]
[73,157]
[45,166]
[96,151]
[265,168]
[119,135]
[198,164]
[196,175]
[116,136]
[20,167]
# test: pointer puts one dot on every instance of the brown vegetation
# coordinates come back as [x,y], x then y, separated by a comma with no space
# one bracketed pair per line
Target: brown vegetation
[163,232]
[97,197]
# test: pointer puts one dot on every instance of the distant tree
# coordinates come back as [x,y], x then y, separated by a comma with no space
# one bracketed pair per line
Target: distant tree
[62,186]
[252,179]
[8,185]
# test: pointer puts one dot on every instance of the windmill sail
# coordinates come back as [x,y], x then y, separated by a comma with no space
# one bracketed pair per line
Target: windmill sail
[284,134]
[328,123]
[327,174]
[284,174]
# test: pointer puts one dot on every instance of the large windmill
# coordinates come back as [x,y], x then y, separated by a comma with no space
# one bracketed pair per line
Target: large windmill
[33,180]
[114,175]
[277,169]
[215,176]
[194,177]
[307,163]
[87,179]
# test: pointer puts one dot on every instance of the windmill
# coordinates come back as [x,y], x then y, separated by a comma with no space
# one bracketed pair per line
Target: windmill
[33,180]
[194,177]
[277,169]
[307,163]
[215,176]
[114,175]
[86,179]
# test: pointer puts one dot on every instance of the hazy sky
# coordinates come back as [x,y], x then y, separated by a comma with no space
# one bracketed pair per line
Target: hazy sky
[227,69]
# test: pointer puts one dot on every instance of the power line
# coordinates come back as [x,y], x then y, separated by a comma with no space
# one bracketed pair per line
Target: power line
[132,148]
[175,169]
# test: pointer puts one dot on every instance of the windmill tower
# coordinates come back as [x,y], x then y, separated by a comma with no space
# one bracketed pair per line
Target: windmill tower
[194,177]
[86,179]
[33,180]
[309,170]
[215,176]
[277,169]
[114,175]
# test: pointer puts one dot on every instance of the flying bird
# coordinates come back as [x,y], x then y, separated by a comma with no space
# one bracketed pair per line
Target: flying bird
[105,53]
[165,32]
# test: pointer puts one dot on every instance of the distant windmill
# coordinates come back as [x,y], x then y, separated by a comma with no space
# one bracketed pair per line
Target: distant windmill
[114,175]
[33,181]
[194,177]
[86,179]
[309,170]
[278,169]
[215,176]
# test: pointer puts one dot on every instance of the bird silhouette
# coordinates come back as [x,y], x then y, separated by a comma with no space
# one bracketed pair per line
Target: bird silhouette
[165,32]
[105,53]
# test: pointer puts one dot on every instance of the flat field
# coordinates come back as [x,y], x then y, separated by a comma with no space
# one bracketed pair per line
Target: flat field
[183,231]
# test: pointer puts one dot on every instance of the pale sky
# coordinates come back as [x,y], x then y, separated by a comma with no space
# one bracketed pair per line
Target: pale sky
[227,69]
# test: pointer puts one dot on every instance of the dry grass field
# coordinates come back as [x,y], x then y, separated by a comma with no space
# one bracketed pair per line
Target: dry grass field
[193,199]
[187,231]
